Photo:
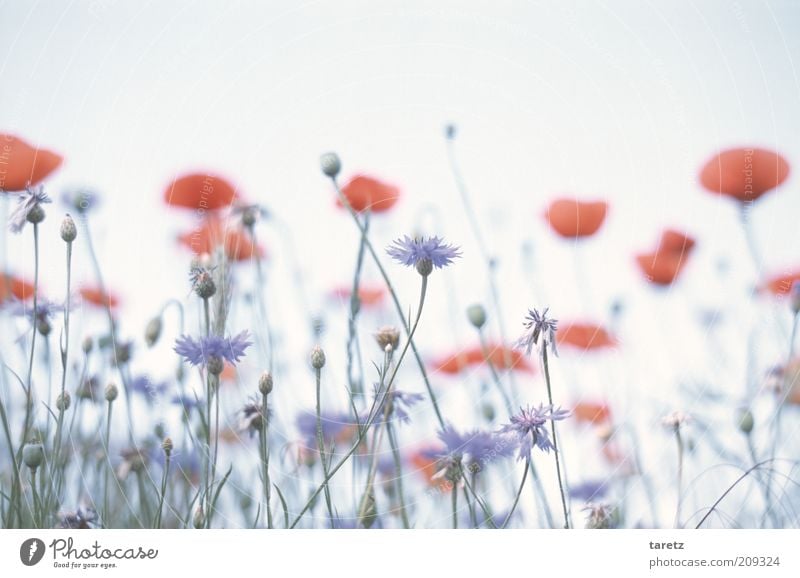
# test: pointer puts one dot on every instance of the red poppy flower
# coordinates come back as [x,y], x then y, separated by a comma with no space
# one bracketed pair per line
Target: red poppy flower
[661,268]
[363,192]
[200,191]
[501,358]
[584,336]
[574,219]
[781,284]
[744,174]
[96,297]
[22,164]
[238,244]
[790,376]
[675,242]
[14,286]
[370,296]
[591,412]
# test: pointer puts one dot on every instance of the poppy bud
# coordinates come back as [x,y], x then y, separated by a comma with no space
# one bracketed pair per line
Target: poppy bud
[111,392]
[68,230]
[331,164]
[63,401]
[199,518]
[44,327]
[744,420]
[33,455]
[87,345]
[153,331]
[317,357]
[476,315]
[265,383]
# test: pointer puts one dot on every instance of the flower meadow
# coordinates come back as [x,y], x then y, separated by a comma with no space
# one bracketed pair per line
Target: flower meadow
[205,416]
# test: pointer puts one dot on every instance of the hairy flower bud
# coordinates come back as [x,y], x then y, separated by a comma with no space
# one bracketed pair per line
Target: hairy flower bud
[317,357]
[331,164]
[199,518]
[111,392]
[153,331]
[68,230]
[36,214]
[476,315]
[424,267]
[33,455]
[167,446]
[265,383]
[215,365]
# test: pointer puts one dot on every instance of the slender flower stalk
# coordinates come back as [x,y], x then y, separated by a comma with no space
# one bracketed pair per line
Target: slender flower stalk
[398,474]
[265,388]
[454,504]
[392,293]
[110,395]
[167,447]
[29,381]
[318,362]
[518,494]
[675,421]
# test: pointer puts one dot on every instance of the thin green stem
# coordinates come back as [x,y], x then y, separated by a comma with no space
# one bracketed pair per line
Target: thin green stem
[356,385]
[454,504]
[264,445]
[107,439]
[398,475]
[321,444]
[679,440]
[29,382]
[163,491]
[409,332]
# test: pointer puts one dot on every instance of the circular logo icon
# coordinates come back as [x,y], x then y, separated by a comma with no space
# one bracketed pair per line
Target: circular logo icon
[32,551]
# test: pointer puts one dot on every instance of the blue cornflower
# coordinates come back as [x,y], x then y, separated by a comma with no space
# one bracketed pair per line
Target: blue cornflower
[28,209]
[80,199]
[424,254]
[484,447]
[187,401]
[529,428]
[449,458]
[590,491]
[540,331]
[45,310]
[399,404]
[145,386]
[212,348]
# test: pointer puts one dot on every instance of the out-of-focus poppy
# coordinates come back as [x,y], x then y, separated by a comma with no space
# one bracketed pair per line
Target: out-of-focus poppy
[500,356]
[96,297]
[11,286]
[781,284]
[591,412]
[229,374]
[200,191]
[586,336]
[238,244]
[425,465]
[744,174]
[363,192]
[673,241]
[368,295]
[661,268]
[574,219]
[22,164]
[787,382]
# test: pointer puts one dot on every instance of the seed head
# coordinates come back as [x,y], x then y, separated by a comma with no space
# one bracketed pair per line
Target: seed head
[265,383]
[388,336]
[317,357]
[167,446]
[331,164]
[68,230]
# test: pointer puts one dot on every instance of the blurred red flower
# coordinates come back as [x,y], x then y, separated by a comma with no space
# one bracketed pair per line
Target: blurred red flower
[22,164]
[96,297]
[200,191]
[369,295]
[781,284]
[674,241]
[590,412]
[238,244]
[661,268]
[744,174]
[425,465]
[11,286]
[586,336]
[363,192]
[571,218]
[500,356]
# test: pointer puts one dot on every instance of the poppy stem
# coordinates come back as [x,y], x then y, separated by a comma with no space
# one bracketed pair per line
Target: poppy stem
[454,502]
[679,439]
[163,493]
[356,385]
[264,439]
[28,385]
[409,331]
[546,367]
[106,440]
[398,475]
